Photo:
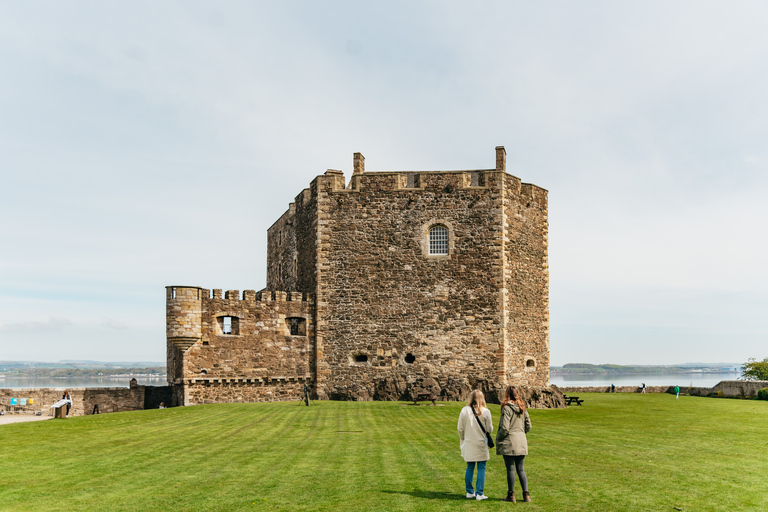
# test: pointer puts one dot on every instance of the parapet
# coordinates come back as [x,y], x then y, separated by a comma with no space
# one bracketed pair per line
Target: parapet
[252,296]
[183,293]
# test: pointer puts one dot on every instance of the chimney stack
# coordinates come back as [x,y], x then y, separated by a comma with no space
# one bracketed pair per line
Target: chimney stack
[501,158]
[359,164]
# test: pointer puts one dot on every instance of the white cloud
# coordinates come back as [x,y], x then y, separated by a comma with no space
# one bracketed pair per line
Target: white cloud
[52,324]
[114,324]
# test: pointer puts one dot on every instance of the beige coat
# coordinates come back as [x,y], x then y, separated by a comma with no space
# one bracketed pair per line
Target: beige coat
[471,438]
[510,439]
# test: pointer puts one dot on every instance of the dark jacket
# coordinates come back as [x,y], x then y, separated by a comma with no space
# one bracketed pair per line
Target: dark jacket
[510,438]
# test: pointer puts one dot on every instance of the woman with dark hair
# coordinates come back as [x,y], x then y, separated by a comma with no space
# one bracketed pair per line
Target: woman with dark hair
[511,441]
[474,421]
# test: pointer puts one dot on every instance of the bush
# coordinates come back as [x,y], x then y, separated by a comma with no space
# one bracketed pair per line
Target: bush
[762,394]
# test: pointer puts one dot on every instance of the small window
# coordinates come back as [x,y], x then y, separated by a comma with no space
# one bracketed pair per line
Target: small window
[438,240]
[229,324]
[475,179]
[530,363]
[361,358]
[173,293]
[412,180]
[297,326]
[203,372]
[410,358]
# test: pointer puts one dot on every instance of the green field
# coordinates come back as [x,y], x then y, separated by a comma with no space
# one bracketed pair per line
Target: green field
[616,452]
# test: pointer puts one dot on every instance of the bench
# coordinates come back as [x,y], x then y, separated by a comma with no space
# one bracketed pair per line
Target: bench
[570,400]
[424,397]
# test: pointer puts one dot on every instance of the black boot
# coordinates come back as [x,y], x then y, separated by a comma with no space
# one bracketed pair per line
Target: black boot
[510,497]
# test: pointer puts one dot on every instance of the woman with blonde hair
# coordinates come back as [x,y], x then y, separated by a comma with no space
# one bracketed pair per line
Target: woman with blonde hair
[511,441]
[474,421]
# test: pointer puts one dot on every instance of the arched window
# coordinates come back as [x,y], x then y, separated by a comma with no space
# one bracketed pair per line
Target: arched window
[438,240]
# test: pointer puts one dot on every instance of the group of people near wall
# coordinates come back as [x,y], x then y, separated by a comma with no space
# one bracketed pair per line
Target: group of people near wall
[475,428]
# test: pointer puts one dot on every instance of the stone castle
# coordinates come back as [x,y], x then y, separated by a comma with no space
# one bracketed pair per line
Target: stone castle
[392,284]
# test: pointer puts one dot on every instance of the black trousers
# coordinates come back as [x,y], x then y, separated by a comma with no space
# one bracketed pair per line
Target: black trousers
[515,463]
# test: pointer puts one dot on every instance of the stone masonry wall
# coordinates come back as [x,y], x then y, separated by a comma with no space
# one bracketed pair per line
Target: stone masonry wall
[526,280]
[239,390]
[619,389]
[108,399]
[386,299]
[291,246]
[183,326]
[282,257]
[260,356]
[728,388]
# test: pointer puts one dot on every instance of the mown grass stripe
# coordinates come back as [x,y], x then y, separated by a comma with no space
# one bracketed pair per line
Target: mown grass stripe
[616,452]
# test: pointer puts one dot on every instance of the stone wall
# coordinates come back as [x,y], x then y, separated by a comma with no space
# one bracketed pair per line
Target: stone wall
[526,281]
[240,390]
[183,326]
[619,389]
[84,399]
[729,388]
[386,300]
[258,357]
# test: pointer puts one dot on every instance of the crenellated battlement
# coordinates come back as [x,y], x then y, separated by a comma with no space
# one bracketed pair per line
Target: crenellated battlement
[196,293]
[446,181]
[252,296]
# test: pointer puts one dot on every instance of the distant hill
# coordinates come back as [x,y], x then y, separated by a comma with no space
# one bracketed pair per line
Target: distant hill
[79,364]
[81,368]
[617,369]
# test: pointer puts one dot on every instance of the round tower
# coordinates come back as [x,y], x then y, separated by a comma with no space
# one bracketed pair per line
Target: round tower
[183,326]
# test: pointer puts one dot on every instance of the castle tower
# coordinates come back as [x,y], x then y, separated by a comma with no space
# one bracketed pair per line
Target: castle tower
[424,280]
[183,325]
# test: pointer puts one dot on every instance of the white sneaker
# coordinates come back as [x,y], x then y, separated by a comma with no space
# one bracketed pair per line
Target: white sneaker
[470,495]
[481,497]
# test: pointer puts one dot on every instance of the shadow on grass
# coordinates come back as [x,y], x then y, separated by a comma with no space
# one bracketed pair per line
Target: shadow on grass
[430,495]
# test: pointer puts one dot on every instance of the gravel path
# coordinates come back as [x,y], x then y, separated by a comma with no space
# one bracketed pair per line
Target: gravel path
[18,418]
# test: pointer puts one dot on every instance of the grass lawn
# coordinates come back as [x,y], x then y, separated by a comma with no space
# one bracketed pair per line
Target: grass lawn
[616,452]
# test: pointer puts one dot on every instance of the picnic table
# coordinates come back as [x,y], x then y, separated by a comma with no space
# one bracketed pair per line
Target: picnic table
[570,400]
[424,397]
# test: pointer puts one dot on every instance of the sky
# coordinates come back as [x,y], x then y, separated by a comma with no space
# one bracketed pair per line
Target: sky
[145,144]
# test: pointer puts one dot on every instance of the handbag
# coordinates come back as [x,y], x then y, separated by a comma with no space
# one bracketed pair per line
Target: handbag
[488,438]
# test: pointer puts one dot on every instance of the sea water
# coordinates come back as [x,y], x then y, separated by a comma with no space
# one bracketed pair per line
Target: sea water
[12,382]
[695,379]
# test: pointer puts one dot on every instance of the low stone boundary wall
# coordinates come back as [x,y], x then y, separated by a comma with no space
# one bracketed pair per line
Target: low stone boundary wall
[619,389]
[84,399]
[725,388]
[729,388]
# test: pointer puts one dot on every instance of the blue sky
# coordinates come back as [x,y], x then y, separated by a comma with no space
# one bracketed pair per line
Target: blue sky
[144,144]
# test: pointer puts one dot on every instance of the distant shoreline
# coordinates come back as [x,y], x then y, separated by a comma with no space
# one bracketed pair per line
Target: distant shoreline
[585,369]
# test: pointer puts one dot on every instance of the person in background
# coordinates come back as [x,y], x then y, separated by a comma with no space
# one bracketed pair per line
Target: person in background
[677,392]
[65,396]
[474,447]
[162,405]
[511,441]
[642,388]
[613,388]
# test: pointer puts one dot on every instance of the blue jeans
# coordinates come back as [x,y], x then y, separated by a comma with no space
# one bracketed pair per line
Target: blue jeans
[480,476]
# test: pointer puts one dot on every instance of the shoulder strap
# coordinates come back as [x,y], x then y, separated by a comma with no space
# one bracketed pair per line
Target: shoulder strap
[478,420]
